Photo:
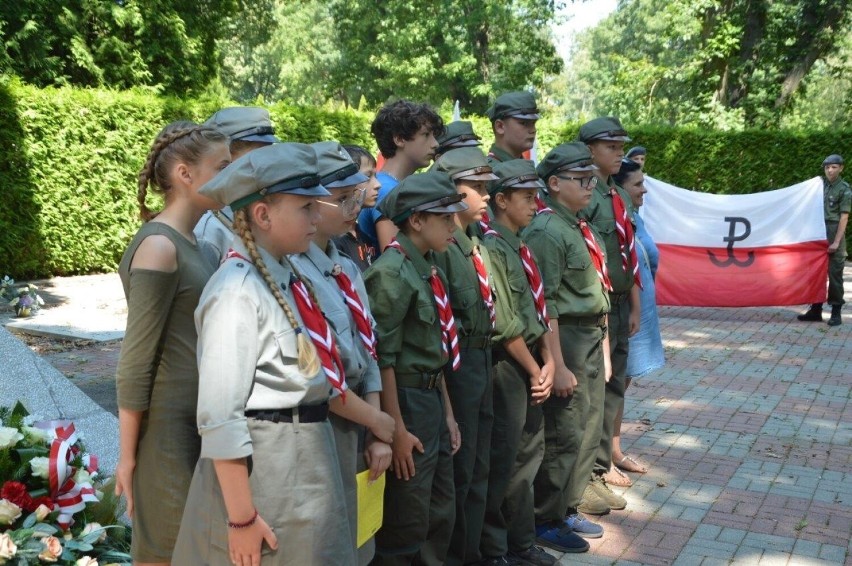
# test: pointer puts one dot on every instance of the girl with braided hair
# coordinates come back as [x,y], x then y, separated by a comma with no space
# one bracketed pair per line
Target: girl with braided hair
[163,273]
[267,488]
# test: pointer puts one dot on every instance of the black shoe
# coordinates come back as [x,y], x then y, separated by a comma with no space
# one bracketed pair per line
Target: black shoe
[536,556]
[835,316]
[813,314]
[507,560]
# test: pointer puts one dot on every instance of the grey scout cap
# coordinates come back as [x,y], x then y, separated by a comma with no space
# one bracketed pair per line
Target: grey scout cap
[457,134]
[573,156]
[244,123]
[465,163]
[432,192]
[518,104]
[608,128]
[515,174]
[833,159]
[335,167]
[278,168]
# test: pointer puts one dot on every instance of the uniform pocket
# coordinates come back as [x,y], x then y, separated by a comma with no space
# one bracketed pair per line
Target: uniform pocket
[580,271]
[426,312]
[286,341]
[464,298]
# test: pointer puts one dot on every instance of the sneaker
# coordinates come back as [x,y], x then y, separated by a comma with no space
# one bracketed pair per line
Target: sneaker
[611,498]
[507,560]
[813,314]
[592,503]
[835,316]
[583,527]
[560,538]
[536,556]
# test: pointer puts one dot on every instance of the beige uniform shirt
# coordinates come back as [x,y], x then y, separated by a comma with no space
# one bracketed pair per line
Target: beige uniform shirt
[214,236]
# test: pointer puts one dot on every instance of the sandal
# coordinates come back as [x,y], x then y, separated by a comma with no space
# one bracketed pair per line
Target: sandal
[617,478]
[633,465]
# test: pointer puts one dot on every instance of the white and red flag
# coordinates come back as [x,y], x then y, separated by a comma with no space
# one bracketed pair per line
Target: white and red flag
[756,249]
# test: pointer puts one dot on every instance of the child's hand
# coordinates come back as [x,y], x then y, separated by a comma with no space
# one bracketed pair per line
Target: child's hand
[383,426]
[455,434]
[378,456]
[564,381]
[245,544]
[124,482]
[403,446]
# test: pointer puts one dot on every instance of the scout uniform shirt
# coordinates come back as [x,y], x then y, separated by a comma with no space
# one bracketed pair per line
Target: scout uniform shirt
[571,284]
[837,199]
[247,355]
[600,215]
[214,235]
[360,367]
[469,310]
[499,155]
[407,325]
[516,312]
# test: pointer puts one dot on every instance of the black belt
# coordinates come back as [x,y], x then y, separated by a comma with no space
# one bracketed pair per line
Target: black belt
[420,380]
[307,414]
[597,320]
[475,342]
[618,298]
[499,354]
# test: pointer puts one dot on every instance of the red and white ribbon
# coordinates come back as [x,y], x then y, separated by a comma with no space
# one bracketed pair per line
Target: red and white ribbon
[356,307]
[626,238]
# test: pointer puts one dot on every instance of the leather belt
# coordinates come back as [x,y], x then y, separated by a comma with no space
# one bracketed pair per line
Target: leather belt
[421,380]
[307,414]
[597,320]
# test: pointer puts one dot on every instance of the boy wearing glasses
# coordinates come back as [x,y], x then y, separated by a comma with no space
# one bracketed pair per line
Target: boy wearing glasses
[575,279]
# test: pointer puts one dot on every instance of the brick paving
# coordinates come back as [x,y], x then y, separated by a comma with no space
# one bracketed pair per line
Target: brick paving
[747,432]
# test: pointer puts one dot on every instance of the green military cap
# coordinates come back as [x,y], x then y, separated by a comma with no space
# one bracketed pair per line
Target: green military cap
[465,163]
[457,134]
[608,128]
[518,104]
[244,123]
[336,168]
[636,150]
[515,174]
[432,191]
[833,159]
[277,168]
[573,156]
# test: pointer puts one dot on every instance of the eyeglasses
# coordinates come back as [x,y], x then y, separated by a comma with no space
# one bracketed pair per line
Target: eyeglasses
[351,205]
[585,182]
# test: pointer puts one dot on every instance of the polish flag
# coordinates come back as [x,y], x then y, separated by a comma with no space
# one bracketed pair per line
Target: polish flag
[758,249]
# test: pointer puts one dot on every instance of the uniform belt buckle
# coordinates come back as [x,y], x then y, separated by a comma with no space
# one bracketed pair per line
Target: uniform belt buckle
[432,383]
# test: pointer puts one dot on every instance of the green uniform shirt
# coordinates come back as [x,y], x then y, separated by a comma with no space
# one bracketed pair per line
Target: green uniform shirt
[837,199]
[599,213]
[408,329]
[498,155]
[469,309]
[571,283]
[516,314]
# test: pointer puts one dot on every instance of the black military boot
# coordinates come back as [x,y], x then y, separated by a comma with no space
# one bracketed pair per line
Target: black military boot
[813,314]
[835,316]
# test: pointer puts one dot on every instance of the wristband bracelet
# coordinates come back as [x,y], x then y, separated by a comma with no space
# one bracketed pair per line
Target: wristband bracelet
[250,522]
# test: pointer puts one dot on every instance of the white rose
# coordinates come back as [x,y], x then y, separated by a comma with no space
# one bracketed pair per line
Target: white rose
[52,549]
[82,476]
[7,547]
[86,561]
[94,527]
[40,466]
[36,434]
[9,512]
[9,437]
[42,511]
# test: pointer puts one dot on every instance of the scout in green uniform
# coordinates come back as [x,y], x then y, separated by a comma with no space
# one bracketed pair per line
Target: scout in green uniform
[575,284]
[523,374]
[457,134]
[837,197]
[248,128]
[605,138]
[340,292]
[513,116]
[416,337]
[472,299]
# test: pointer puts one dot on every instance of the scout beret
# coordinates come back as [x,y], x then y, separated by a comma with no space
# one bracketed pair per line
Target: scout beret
[518,104]
[637,150]
[573,156]
[467,163]
[335,167]
[277,168]
[608,128]
[432,191]
[515,174]
[457,134]
[244,123]
[833,159]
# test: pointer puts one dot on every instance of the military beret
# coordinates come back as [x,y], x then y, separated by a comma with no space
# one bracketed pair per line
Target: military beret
[244,123]
[833,159]
[432,191]
[518,104]
[637,150]
[608,128]
[277,168]
[573,156]
[467,163]
[335,167]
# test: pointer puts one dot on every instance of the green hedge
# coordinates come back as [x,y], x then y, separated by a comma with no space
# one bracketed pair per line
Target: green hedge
[70,159]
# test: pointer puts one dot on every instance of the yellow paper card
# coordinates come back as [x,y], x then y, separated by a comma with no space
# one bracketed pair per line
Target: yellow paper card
[370,505]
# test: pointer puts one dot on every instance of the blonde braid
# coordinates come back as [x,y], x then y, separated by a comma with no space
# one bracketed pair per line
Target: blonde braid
[164,139]
[308,359]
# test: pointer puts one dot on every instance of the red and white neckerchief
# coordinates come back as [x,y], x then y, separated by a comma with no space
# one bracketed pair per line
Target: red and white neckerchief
[541,207]
[625,236]
[235,254]
[485,222]
[597,255]
[449,334]
[536,284]
[484,286]
[320,334]
[356,307]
